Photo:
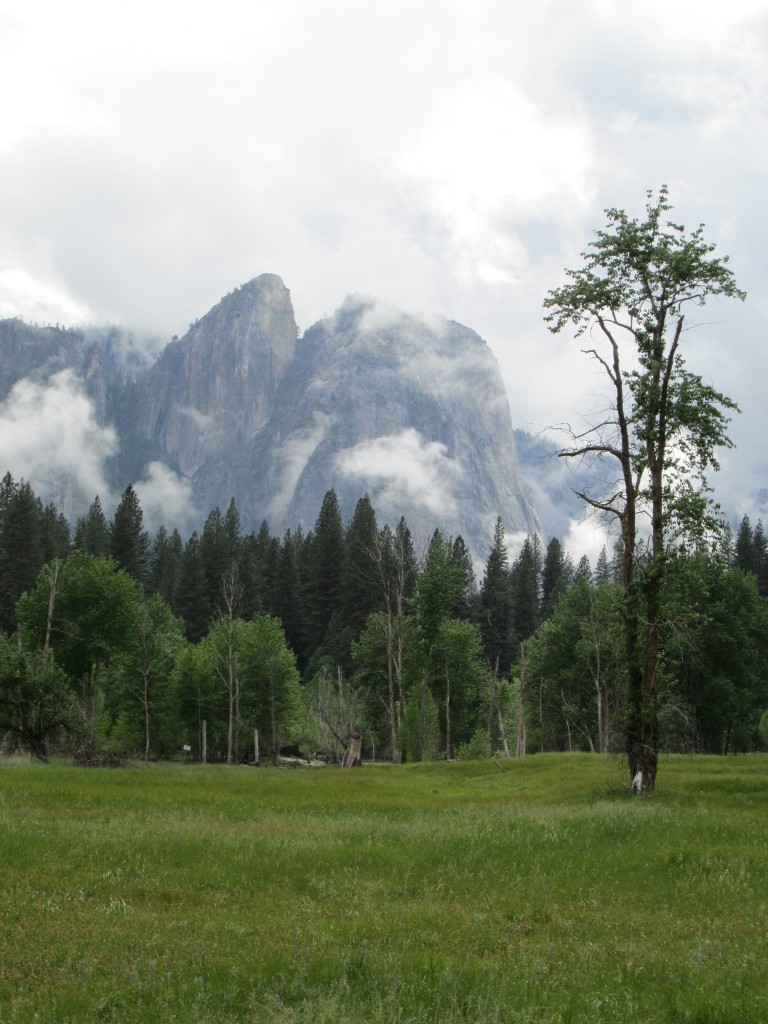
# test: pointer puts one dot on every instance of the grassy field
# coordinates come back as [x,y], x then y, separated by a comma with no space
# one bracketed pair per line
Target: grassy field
[440,893]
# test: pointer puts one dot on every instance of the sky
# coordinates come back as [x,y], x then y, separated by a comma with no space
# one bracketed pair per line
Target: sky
[447,157]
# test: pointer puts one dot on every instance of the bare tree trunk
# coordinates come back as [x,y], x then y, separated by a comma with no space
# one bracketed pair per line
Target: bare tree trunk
[204,743]
[273,722]
[496,699]
[503,733]
[146,715]
[52,584]
[448,752]
[256,747]
[231,596]
[423,715]
[521,736]
[353,754]
[231,709]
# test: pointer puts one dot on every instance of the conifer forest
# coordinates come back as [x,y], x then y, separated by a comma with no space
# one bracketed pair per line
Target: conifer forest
[346,643]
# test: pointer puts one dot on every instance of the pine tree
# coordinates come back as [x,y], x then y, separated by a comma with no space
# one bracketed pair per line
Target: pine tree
[54,534]
[325,566]
[286,602]
[129,542]
[465,607]
[751,552]
[405,560]
[165,565]
[744,548]
[92,532]
[440,588]
[554,578]
[214,551]
[360,586]
[192,602]
[525,578]
[583,572]
[496,626]
[21,552]
[760,545]
[232,529]
[266,554]
[603,572]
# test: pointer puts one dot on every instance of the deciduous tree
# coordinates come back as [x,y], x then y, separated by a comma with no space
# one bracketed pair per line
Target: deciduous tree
[661,426]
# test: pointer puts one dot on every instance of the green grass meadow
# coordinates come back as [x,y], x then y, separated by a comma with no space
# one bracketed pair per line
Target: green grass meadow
[418,893]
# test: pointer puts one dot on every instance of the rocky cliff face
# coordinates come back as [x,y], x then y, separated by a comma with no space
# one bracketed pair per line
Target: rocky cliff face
[414,413]
[211,392]
[39,353]
[370,399]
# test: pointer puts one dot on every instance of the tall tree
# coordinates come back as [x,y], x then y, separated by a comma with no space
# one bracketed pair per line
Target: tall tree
[192,602]
[216,554]
[129,542]
[85,611]
[92,531]
[496,626]
[743,547]
[325,562]
[750,552]
[165,565]
[760,544]
[287,601]
[602,573]
[232,529]
[361,593]
[663,424]
[271,699]
[144,705]
[54,534]
[526,588]
[466,605]
[715,654]
[554,577]
[397,575]
[21,552]
[439,592]
[259,559]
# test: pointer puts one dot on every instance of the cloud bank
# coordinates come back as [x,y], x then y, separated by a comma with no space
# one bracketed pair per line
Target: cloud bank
[444,156]
[166,499]
[50,431]
[407,470]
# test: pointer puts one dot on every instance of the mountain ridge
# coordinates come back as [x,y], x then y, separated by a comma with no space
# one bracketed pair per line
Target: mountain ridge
[370,399]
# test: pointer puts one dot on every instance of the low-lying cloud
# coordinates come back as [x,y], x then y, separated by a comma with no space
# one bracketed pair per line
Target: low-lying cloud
[405,469]
[294,457]
[166,498]
[49,436]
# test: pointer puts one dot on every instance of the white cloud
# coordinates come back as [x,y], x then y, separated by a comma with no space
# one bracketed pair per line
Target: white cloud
[404,469]
[588,536]
[445,156]
[41,302]
[165,498]
[50,431]
[293,458]
[201,421]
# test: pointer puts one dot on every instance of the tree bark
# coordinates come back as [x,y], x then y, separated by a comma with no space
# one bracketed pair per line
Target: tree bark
[353,754]
[521,735]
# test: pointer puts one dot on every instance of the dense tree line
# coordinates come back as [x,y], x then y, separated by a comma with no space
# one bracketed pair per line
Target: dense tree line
[347,640]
